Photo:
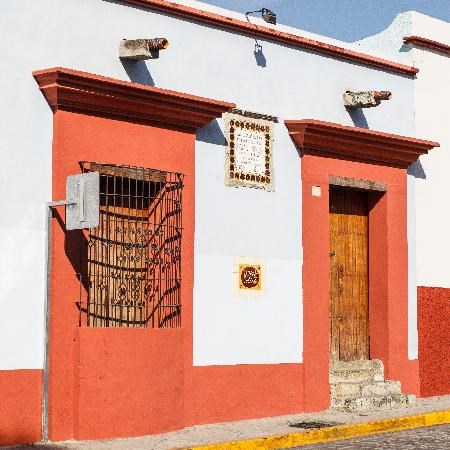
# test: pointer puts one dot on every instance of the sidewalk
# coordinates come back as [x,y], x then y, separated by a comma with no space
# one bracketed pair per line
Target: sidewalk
[202,435]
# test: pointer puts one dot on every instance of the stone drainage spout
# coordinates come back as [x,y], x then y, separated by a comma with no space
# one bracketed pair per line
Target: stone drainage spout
[365,99]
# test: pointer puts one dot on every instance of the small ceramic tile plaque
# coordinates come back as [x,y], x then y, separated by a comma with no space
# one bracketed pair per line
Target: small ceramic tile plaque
[250,277]
[249,155]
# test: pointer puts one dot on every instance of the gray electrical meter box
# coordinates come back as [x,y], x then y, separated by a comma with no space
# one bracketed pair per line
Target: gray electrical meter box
[82,201]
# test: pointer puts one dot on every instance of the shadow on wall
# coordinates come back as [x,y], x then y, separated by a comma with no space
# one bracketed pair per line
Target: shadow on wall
[359,120]
[416,169]
[137,72]
[261,60]
[358,117]
[74,242]
[211,134]
[405,48]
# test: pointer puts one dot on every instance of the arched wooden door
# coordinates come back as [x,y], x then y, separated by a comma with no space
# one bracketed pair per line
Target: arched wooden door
[349,295]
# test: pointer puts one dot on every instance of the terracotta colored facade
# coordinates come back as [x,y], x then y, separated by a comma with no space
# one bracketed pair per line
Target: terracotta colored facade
[21,406]
[89,368]
[329,150]
[106,382]
[434,332]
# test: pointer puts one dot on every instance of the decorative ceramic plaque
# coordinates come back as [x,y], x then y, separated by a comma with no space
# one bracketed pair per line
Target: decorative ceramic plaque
[250,277]
[249,156]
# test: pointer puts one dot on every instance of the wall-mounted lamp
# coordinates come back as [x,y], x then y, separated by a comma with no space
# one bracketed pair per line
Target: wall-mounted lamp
[266,14]
[141,49]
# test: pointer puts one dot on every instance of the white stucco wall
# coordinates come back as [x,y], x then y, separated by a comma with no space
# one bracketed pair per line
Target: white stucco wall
[389,44]
[242,222]
[246,222]
[432,100]
[428,219]
[25,186]
[230,223]
[413,337]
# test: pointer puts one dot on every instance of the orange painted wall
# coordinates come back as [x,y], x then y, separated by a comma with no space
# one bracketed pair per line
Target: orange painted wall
[20,406]
[388,288]
[82,137]
[108,383]
[315,288]
[433,306]
[130,382]
[225,393]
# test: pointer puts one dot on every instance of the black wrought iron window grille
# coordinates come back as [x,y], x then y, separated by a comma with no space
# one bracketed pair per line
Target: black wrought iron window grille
[131,274]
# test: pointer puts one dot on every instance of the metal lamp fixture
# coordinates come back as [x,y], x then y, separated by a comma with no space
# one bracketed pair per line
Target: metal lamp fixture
[266,14]
[269,16]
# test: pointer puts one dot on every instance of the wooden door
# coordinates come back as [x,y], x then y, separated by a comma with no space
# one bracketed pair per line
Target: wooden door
[117,256]
[349,296]
[119,248]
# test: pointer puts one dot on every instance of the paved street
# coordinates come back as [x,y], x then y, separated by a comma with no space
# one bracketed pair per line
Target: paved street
[436,438]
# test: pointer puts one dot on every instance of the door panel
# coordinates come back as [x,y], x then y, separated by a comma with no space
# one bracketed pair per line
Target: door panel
[349,299]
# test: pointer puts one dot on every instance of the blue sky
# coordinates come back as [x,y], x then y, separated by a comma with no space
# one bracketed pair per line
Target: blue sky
[346,20]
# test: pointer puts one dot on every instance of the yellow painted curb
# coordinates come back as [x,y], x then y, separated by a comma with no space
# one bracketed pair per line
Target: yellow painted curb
[336,433]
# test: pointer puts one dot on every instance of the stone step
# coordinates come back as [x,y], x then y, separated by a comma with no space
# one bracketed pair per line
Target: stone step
[373,403]
[365,388]
[361,364]
[381,388]
[341,390]
[356,375]
[356,371]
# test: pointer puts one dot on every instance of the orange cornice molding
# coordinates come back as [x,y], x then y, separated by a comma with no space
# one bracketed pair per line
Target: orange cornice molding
[427,43]
[314,137]
[83,92]
[240,26]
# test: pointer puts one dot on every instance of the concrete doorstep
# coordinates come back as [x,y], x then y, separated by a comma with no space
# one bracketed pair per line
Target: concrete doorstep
[277,432]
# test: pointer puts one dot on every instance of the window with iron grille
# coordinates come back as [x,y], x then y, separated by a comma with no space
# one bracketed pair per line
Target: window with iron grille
[133,258]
